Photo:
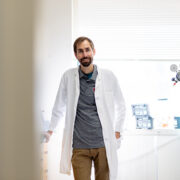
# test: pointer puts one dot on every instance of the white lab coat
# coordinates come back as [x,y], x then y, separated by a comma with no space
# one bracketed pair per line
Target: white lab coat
[111,110]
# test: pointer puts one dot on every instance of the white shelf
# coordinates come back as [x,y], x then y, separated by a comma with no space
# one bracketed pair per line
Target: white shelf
[153,132]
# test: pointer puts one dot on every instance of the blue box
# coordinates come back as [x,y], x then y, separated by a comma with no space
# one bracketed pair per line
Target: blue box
[177,125]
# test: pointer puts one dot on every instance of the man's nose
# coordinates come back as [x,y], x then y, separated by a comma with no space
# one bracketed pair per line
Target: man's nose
[84,53]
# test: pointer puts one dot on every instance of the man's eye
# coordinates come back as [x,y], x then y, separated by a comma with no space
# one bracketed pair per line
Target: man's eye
[87,50]
[80,51]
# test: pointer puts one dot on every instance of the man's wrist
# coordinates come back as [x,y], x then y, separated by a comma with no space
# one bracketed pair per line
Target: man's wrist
[117,134]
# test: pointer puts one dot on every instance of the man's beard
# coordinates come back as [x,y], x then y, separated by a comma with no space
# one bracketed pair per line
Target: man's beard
[86,63]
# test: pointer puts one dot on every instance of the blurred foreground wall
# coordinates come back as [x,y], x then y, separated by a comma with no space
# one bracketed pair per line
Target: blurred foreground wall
[18,153]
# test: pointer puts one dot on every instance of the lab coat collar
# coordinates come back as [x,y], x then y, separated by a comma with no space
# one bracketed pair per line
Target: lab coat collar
[76,74]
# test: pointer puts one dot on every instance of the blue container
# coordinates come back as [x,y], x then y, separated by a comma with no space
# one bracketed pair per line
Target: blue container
[143,119]
[177,125]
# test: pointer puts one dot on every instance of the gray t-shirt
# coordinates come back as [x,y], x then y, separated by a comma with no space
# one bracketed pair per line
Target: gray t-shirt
[87,129]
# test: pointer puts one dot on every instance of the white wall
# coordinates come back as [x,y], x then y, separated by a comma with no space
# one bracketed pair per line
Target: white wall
[131,29]
[53,47]
[53,36]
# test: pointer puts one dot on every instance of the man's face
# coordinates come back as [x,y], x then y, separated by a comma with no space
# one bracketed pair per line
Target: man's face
[85,53]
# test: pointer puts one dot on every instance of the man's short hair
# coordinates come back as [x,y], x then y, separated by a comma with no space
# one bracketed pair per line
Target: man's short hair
[80,40]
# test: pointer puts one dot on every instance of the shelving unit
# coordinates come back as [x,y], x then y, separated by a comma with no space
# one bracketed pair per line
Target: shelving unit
[44,161]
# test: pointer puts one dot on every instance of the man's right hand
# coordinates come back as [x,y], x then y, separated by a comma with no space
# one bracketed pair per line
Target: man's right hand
[48,135]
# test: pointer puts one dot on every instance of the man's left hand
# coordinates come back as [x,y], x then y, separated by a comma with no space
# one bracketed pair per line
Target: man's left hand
[117,134]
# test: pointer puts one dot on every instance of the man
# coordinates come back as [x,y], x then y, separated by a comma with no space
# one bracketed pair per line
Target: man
[95,110]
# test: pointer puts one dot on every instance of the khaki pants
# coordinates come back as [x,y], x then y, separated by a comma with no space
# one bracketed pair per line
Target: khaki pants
[82,163]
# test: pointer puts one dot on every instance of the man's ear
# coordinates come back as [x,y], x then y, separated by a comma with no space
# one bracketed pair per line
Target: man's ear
[94,51]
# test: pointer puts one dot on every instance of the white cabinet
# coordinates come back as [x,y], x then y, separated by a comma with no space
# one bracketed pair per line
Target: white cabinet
[150,155]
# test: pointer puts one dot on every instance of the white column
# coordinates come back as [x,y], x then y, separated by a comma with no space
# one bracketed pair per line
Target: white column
[17,145]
